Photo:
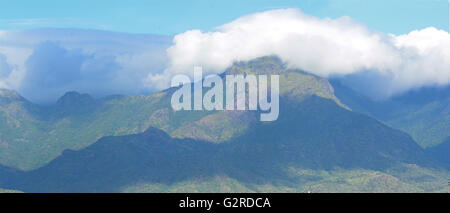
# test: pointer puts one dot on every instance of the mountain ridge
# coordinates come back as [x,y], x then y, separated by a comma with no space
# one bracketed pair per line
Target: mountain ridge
[43,132]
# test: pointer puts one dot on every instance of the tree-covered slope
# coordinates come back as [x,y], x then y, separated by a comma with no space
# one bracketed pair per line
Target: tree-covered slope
[405,178]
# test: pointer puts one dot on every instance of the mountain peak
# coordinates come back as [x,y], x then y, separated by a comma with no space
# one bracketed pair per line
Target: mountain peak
[155,133]
[265,65]
[10,94]
[294,83]
[72,97]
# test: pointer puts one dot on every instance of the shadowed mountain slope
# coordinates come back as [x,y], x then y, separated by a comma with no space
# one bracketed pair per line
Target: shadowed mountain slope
[441,152]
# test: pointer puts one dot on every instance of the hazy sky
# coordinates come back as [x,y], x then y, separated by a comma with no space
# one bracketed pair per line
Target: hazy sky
[176,16]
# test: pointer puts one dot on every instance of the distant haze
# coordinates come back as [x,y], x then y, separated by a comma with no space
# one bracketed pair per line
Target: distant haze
[44,64]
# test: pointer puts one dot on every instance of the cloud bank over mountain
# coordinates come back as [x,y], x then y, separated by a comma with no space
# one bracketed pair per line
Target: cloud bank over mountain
[44,64]
[340,47]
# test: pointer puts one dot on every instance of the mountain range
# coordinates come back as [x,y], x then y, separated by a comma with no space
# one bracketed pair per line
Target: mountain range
[327,138]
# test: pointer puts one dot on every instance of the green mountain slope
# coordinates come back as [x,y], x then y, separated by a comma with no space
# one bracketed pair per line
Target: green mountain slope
[404,179]
[316,137]
[424,114]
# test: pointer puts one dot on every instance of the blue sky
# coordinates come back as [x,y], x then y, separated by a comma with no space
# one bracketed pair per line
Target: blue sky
[170,17]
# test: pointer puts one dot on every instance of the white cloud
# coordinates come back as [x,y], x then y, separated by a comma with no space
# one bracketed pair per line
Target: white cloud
[326,47]
[426,59]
